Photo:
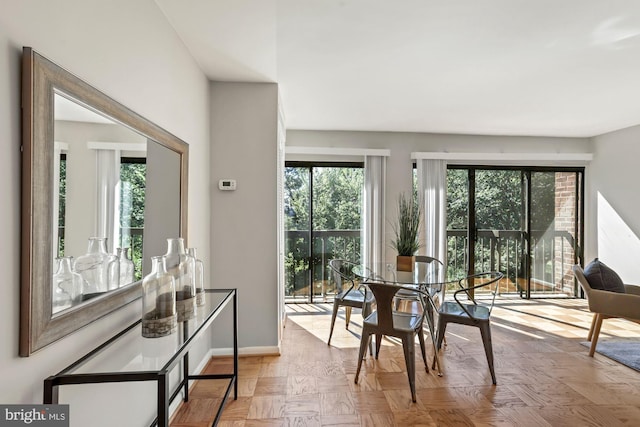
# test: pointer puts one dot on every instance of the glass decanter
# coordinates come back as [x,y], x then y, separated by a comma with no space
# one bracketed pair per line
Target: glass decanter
[197,272]
[97,268]
[67,286]
[127,269]
[159,316]
[177,262]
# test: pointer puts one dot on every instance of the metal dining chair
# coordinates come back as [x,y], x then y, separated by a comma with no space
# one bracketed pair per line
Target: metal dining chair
[385,321]
[467,309]
[348,295]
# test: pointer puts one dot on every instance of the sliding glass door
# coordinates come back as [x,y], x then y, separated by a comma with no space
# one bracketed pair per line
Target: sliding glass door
[556,230]
[524,222]
[322,210]
[499,225]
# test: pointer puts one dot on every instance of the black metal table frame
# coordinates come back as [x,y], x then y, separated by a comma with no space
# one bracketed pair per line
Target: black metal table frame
[164,398]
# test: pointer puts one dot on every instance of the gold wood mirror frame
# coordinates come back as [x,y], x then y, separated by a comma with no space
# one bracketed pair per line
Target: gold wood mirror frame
[41,78]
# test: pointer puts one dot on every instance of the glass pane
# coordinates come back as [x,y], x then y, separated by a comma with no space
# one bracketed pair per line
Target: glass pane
[132,202]
[457,219]
[501,225]
[554,219]
[296,224]
[337,209]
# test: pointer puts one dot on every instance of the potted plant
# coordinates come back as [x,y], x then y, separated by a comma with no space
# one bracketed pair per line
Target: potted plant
[406,230]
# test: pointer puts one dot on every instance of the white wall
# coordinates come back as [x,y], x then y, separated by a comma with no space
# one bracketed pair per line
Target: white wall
[401,145]
[126,49]
[614,204]
[244,119]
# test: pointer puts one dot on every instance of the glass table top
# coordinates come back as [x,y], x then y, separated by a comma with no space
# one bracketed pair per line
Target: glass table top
[131,352]
[423,274]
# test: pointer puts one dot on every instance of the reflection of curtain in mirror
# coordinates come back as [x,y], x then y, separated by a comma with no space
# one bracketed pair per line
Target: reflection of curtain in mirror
[108,196]
[59,148]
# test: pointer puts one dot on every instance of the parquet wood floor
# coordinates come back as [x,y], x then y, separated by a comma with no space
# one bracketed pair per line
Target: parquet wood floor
[545,377]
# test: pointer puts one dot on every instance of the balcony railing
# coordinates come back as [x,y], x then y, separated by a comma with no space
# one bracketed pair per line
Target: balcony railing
[327,245]
[553,254]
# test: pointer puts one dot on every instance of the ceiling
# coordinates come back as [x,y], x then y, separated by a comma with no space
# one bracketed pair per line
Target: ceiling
[494,67]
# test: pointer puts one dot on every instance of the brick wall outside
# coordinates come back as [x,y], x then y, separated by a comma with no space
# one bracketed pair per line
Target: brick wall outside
[565,211]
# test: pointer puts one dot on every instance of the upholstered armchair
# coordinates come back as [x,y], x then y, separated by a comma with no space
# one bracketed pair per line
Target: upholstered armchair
[606,304]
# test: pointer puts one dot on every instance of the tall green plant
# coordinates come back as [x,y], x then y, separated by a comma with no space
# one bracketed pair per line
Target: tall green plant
[407,228]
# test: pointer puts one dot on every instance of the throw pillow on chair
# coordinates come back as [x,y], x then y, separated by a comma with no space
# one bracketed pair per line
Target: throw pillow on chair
[602,277]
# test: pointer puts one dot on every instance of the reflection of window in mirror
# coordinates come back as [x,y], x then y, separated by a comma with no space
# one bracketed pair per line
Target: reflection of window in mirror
[59,197]
[133,172]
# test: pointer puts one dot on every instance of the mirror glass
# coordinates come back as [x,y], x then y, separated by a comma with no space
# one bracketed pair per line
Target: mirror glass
[103,188]
[98,192]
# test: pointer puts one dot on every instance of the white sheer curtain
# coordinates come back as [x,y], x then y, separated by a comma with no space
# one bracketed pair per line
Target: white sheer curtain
[373,216]
[432,191]
[108,196]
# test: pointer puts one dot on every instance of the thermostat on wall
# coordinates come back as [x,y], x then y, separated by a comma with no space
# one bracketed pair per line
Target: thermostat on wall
[227,184]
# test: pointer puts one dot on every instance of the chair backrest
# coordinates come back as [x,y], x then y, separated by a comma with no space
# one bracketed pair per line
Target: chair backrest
[584,283]
[428,267]
[384,294]
[427,259]
[342,272]
[473,282]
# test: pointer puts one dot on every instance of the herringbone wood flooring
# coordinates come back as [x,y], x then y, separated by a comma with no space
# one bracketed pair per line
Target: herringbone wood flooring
[545,377]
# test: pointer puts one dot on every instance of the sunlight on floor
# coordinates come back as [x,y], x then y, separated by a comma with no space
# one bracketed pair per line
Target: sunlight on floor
[535,318]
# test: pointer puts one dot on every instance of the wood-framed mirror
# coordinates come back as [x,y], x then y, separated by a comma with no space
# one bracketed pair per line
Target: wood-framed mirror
[92,169]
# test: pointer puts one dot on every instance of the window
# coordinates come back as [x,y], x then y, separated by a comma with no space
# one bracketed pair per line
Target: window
[132,202]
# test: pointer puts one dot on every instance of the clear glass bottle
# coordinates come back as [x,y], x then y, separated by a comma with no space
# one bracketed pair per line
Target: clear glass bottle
[178,265]
[159,317]
[97,268]
[197,272]
[127,268]
[67,286]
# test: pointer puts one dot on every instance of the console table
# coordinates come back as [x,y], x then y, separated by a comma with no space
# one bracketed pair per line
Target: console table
[128,356]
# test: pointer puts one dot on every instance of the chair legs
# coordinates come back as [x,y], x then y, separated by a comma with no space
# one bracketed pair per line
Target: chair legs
[485,331]
[347,316]
[408,345]
[597,324]
[422,349]
[364,340]
[347,309]
[593,323]
[442,327]
[333,321]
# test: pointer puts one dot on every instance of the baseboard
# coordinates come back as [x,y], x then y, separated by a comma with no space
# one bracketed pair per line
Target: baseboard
[246,351]
[203,362]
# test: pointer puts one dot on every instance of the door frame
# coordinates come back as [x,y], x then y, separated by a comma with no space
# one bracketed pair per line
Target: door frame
[527,188]
[310,165]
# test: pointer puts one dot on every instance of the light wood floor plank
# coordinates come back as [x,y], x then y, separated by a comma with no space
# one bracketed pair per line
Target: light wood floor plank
[545,376]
